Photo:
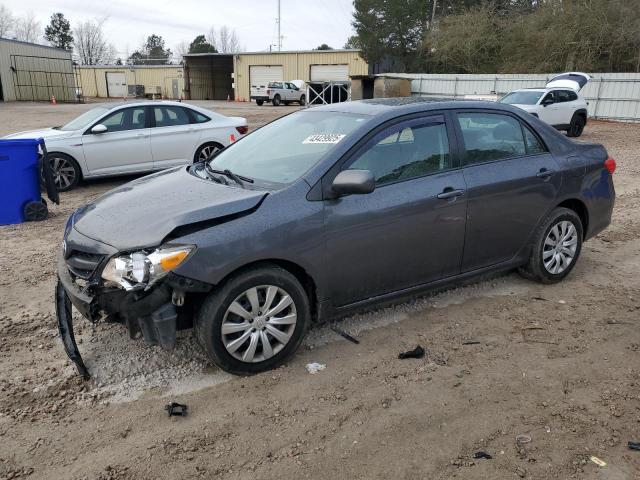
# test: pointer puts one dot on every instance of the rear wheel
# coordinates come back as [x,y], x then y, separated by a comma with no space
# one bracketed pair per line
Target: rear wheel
[303,100]
[206,151]
[259,102]
[276,101]
[576,127]
[556,248]
[66,171]
[255,321]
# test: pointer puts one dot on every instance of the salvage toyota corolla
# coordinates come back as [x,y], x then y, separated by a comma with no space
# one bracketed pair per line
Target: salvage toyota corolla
[325,211]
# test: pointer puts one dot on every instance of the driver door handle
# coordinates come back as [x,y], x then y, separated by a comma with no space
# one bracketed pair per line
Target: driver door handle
[544,173]
[450,193]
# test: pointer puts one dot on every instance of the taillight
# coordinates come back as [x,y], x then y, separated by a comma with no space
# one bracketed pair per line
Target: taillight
[610,165]
[242,130]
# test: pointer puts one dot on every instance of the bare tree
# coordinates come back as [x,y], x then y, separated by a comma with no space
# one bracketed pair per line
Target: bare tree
[6,22]
[180,49]
[90,45]
[224,40]
[27,28]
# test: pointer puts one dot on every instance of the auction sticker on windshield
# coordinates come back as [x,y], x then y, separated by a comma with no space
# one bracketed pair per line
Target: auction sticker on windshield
[324,138]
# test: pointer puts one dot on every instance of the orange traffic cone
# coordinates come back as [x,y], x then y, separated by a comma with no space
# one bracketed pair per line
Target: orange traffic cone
[53,100]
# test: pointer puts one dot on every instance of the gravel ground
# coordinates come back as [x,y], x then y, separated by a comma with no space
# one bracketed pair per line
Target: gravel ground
[560,364]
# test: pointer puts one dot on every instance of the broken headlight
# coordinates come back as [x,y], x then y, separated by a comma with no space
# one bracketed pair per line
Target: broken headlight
[142,269]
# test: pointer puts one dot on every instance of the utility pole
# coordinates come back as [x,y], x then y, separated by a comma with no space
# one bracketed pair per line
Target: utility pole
[433,14]
[279,34]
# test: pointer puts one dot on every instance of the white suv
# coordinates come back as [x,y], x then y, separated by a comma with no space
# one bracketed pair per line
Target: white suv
[559,103]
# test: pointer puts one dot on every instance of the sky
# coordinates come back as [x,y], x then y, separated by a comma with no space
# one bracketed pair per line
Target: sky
[305,25]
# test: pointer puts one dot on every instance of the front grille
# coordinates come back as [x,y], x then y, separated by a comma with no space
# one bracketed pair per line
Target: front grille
[82,264]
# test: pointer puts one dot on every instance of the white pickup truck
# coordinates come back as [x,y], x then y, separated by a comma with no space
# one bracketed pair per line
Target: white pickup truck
[279,93]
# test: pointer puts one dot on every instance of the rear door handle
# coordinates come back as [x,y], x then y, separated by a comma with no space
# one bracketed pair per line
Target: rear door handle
[544,173]
[450,193]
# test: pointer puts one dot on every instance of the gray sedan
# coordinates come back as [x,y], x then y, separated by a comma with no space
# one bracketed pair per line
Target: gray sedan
[326,211]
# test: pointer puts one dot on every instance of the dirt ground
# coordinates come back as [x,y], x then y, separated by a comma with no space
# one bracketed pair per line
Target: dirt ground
[559,364]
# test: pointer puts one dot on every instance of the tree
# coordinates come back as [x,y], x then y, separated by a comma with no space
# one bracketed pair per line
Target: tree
[390,28]
[27,28]
[200,45]
[90,46]
[151,53]
[324,46]
[58,32]
[352,43]
[225,40]
[6,22]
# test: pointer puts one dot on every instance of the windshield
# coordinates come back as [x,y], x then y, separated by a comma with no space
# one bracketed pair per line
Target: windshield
[86,118]
[521,98]
[282,151]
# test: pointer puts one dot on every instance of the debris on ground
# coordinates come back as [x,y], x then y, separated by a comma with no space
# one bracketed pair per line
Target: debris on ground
[633,445]
[473,342]
[344,334]
[417,352]
[597,461]
[314,368]
[176,409]
[484,455]
[522,439]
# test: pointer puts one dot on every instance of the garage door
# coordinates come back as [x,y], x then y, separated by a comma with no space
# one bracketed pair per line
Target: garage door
[116,84]
[327,73]
[261,75]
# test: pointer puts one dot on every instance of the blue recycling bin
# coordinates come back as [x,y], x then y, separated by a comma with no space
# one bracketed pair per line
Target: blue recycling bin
[19,179]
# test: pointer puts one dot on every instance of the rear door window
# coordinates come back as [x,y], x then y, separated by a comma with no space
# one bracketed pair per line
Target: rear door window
[490,136]
[170,116]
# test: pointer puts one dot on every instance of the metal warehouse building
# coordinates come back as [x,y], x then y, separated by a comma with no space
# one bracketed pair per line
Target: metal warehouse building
[35,72]
[217,76]
[136,80]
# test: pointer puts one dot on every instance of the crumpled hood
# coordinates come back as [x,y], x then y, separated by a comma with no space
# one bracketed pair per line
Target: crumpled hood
[46,133]
[143,212]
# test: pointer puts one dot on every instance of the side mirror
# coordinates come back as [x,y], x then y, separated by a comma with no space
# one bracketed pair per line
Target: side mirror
[547,101]
[99,129]
[354,182]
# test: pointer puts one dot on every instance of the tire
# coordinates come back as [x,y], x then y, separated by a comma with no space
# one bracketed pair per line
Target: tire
[259,102]
[576,127]
[276,101]
[303,101]
[246,328]
[206,150]
[546,264]
[66,171]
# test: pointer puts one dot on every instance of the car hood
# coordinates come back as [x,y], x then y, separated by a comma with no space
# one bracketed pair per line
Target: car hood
[47,134]
[526,108]
[142,213]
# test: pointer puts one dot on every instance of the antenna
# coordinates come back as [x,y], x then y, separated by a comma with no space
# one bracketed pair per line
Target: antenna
[278,22]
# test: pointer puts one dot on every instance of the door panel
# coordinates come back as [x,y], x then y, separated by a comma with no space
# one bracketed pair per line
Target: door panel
[125,147]
[174,138]
[512,182]
[401,234]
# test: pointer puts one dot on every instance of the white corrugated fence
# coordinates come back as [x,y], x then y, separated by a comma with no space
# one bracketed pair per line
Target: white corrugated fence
[613,96]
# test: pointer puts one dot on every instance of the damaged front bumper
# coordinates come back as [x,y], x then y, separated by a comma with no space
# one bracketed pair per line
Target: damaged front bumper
[153,314]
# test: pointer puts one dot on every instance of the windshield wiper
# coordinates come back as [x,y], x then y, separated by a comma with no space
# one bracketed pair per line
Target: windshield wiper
[213,174]
[239,179]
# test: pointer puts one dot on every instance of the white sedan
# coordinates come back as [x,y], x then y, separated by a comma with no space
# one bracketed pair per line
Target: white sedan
[132,137]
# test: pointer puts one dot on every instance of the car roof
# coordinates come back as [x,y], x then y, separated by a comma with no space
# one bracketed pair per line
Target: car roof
[137,103]
[405,105]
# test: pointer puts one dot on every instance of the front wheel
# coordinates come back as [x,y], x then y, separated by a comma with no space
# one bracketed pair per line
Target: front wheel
[556,248]
[65,170]
[576,127]
[255,321]
[303,100]
[276,101]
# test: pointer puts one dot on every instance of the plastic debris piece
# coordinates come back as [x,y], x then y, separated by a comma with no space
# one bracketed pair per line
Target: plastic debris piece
[473,342]
[522,439]
[417,352]
[597,461]
[344,334]
[633,445]
[484,455]
[314,368]
[176,409]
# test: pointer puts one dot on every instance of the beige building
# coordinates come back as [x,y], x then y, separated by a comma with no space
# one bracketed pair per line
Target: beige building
[221,76]
[35,72]
[119,81]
